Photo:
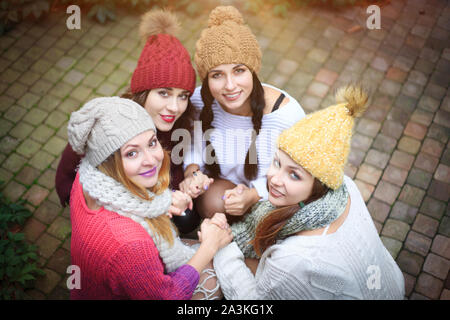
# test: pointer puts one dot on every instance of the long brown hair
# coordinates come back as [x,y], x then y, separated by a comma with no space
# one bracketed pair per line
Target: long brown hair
[113,167]
[257,103]
[184,122]
[268,229]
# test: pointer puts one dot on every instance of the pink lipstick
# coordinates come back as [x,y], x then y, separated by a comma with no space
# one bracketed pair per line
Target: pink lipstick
[149,173]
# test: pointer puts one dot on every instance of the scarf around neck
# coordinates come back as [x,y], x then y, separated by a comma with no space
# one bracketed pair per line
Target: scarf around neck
[112,195]
[314,215]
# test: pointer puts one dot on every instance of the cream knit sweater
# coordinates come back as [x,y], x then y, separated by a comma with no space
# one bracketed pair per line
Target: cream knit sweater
[351,263]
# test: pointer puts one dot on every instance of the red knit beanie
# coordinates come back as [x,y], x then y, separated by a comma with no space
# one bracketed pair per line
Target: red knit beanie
[164,61]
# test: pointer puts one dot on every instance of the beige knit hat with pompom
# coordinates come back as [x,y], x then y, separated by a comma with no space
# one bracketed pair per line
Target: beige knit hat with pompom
[226,40]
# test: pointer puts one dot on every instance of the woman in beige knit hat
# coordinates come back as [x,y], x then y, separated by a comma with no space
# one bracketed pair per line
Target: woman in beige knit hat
[314,237]
[225,172]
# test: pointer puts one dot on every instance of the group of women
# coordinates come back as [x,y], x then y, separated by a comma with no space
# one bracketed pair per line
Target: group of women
[262,183]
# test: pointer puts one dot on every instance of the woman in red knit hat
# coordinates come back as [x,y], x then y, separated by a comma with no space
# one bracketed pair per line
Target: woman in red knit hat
[162,83]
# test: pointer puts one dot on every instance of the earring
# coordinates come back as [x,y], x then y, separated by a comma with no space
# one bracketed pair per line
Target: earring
[301,204]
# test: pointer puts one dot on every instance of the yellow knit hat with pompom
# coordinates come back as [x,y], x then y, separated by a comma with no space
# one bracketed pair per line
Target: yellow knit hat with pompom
[226,40]
[320,142]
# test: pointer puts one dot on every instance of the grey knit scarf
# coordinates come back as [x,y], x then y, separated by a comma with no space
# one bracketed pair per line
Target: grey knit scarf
[314,215]
[115,197]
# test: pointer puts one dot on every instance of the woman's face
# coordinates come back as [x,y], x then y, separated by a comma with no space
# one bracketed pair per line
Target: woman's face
[142,158]
[288,182]
[231,85]
[166,105]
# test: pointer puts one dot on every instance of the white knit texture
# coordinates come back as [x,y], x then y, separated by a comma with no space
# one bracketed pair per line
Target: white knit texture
[334,266]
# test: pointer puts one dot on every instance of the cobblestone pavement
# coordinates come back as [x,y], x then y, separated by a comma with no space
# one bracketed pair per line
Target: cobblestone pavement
[400,157]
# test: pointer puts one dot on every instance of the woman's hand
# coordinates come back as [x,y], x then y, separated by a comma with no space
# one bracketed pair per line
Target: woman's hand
[180,202]
[195,184]
[213,236]
[238,200]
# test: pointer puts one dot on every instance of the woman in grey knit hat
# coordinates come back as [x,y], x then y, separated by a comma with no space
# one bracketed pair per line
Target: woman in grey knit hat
[122,238]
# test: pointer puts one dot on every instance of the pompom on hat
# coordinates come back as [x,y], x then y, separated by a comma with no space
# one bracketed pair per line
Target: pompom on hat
[103,125]
[320,142]
[164,62]
[226,40]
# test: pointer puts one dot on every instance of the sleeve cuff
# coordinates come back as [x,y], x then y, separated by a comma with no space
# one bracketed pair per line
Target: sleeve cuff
[260,185]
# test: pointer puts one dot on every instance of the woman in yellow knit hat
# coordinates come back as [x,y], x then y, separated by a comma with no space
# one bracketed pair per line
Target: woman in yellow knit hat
[226,171]
[314,236]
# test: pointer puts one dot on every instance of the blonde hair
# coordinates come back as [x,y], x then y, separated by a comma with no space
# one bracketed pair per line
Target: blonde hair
[113,167]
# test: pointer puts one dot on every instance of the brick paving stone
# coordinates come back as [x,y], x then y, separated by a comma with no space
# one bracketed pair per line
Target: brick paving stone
[318,89]
[326,76]
[36,195]
[33,229]
[378,209]
[418,243]
[369,174]
[42,133]
[422,117]
[441,246]
[392,245]
[27,175]
[403,212]
[60,228]
[395,175]
[41,160]
[432,147]
[392,129]
[444,227]
[56,119]
[377,158]
[429,286]
[48,282]
[365,189]
[410,282]
[425,225]
[318,55]
[15,113]
[426,162]
[28,148]
[433,208]
[439,190]
[287,67]
[47,245]
[361,142]
[59,261]
[368,127]
[415,130]
[410,262]
[380,63]
[384,143]
[411,195]
[445,295]
[396,74]
[47,212]
[402,159]
[436,266]
[395,229]
[442,173]
[419,178]
[409,145]
[428,103]
[386,192]
[14,163]
[390,87]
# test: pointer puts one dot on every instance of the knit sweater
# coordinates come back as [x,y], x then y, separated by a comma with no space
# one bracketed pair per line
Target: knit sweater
[118,259]
[232,139]
[351,263]
[66,171]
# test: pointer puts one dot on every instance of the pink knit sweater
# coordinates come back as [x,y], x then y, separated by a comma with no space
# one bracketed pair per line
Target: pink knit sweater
[118,259]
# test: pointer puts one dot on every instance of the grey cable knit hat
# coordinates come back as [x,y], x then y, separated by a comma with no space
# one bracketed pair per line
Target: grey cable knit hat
[103,125]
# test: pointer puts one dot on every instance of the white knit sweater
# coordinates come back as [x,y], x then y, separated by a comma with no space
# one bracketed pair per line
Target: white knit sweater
[232,139]
[351,263]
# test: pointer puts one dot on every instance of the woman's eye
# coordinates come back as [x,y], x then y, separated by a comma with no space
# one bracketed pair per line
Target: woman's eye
[215,75]
[184,96]
[163,93]
[276,163]
[153,143]
[240,70]
[131,154]
[295,176]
